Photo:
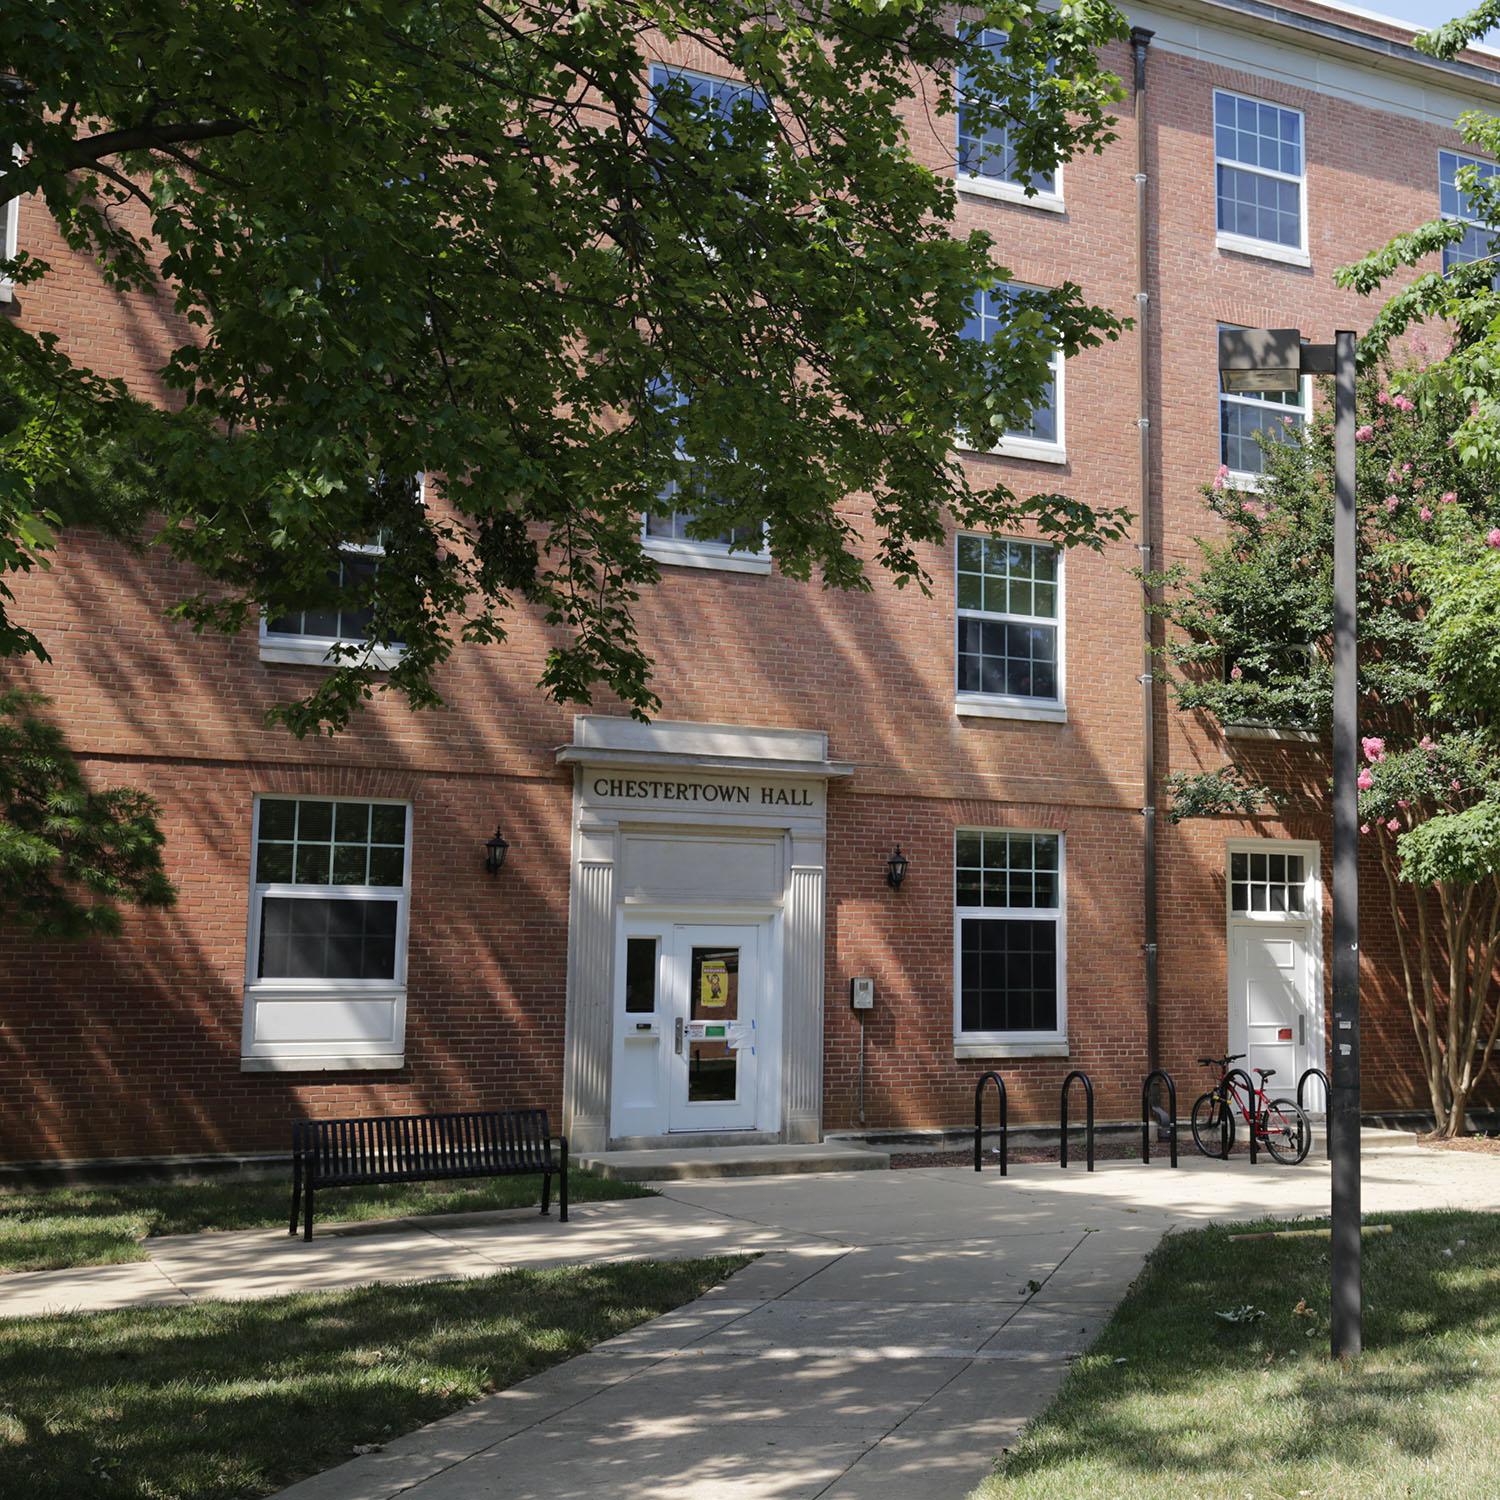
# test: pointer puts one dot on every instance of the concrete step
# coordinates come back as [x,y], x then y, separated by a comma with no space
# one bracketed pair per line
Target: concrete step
[680,1164]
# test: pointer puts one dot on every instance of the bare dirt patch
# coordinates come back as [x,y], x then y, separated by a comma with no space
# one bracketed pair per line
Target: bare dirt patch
[1485,1145]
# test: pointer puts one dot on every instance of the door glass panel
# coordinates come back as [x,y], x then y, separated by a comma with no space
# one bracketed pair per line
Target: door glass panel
[640,975]
[1267,882]
[714,1000]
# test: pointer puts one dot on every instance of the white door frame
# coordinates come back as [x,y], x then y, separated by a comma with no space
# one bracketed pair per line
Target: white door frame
[1312,852]
[767,920]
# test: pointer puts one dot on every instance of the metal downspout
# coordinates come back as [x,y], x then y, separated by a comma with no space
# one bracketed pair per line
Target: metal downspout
[1140,41]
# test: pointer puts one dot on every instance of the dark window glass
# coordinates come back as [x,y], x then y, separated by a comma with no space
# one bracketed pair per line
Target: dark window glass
[988,151]
[1008,975]
[323,937]
[640,975]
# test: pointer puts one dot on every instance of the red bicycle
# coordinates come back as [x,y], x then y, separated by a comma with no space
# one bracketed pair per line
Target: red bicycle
[1280,1125]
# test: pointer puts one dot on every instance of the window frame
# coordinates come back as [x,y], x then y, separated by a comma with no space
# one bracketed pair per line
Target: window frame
[1463,159]
[1018,445]
[1250,479]
[1012,705]
[10,236]
[278,648]
[353,1053]
[1242,244]
[1053,1043]
[1003,189]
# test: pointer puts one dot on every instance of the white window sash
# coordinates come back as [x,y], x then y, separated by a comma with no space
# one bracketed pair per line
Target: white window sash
[960,612]
[1057,914]
[1232,239]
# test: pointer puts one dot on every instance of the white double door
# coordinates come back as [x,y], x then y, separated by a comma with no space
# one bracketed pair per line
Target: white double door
[691,1026]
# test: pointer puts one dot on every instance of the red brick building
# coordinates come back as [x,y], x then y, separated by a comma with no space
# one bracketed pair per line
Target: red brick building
[670,944]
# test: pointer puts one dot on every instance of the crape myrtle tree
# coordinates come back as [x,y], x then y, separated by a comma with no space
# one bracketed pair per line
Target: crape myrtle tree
[489,243]
[1253,646]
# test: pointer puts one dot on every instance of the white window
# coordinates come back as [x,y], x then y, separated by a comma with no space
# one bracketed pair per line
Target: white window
[986,155]
[1454,203]
[1009,628]
[325,981]
[1041,438]
[1267,883]
[315,635]
[1009,942]
[720,96]
[10,218]
[1244,417]
[666,530]
[1261,181]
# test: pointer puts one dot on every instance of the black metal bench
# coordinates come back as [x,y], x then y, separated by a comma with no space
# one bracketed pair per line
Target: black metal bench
[424,1148]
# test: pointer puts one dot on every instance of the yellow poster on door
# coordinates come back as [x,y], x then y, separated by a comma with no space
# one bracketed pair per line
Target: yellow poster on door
[713,984]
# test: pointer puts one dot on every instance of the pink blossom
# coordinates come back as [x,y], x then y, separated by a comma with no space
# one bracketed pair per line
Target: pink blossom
[1425,512]
[1493,539]
[1447,498]
[1235,674]
[1392,474]
[1373,747]
[1391,502]
[1403,403]
[1394,825]
[1222,477]
[1364,827]
[1406,468]
[1366,780]
[1384,398]
[1364,434]
[1425,743]
[1418,484]
[1402,803]
[1249,507]
[1455,785]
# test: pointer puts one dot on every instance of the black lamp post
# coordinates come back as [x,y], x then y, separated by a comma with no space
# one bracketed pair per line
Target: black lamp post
[895,868]
[494,852]
[1276,359]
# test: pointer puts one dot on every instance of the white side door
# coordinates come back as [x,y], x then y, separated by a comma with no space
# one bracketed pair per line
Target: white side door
[1274,1017]
[642,1029]
[715,978]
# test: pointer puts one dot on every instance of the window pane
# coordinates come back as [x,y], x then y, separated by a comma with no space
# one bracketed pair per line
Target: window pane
[990,314]
[314,864]
[387,823]
[352,819]
[273,863]
[640,975]
[278,818]
[349,862]
[315,820]
[387,866]
[1008,975]
[327,938]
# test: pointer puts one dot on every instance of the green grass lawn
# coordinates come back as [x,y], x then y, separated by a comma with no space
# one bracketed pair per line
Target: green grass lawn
[96,1226]
[1173,1401]
[236,1399]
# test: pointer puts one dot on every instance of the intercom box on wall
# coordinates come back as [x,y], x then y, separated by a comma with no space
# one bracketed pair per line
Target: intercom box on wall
[862,994]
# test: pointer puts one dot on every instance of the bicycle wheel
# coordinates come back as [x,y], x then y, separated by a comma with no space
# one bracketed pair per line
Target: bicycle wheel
[1286,1131]
[1213,1126]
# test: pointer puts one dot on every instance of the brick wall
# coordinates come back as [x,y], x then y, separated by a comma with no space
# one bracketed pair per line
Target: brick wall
[132,1046]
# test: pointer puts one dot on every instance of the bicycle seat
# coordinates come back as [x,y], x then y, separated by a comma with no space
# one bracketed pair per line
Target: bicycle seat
[1266,1072]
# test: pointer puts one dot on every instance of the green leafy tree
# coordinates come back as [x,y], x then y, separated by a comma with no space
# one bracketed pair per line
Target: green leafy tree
[485,243]
[69,855]
[1253,646]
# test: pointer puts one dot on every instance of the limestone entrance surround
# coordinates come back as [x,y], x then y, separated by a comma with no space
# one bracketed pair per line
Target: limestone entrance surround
[700,818]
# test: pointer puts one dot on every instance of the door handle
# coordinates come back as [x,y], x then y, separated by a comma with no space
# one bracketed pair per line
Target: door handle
[1302,1029]
[677,1036]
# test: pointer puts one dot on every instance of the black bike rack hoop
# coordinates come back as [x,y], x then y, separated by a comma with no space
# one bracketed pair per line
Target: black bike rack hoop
[1166,1078]
[1250,1095]
[979,1119]
[1327,1096]
[1088,1094]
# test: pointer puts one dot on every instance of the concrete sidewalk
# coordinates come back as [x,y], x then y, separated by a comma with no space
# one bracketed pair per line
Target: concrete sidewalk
[898,1331]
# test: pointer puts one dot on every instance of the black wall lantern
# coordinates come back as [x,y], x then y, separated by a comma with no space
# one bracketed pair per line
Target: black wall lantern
[494,852]
[895,869]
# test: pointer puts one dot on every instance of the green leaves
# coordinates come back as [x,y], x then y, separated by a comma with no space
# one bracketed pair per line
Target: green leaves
[69,855]
[431,237]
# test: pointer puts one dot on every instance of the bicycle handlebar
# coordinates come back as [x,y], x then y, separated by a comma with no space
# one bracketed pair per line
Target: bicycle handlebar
[1221,1062]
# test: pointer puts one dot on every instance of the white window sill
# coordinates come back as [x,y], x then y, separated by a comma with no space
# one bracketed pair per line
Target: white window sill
[1042,1048]
[323,1064]
[688,555]
[1238,244]
[1271,732]
[1242,479]
[1016,447]
[1009,192]
[295,652]
[6,289]
[996,708]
